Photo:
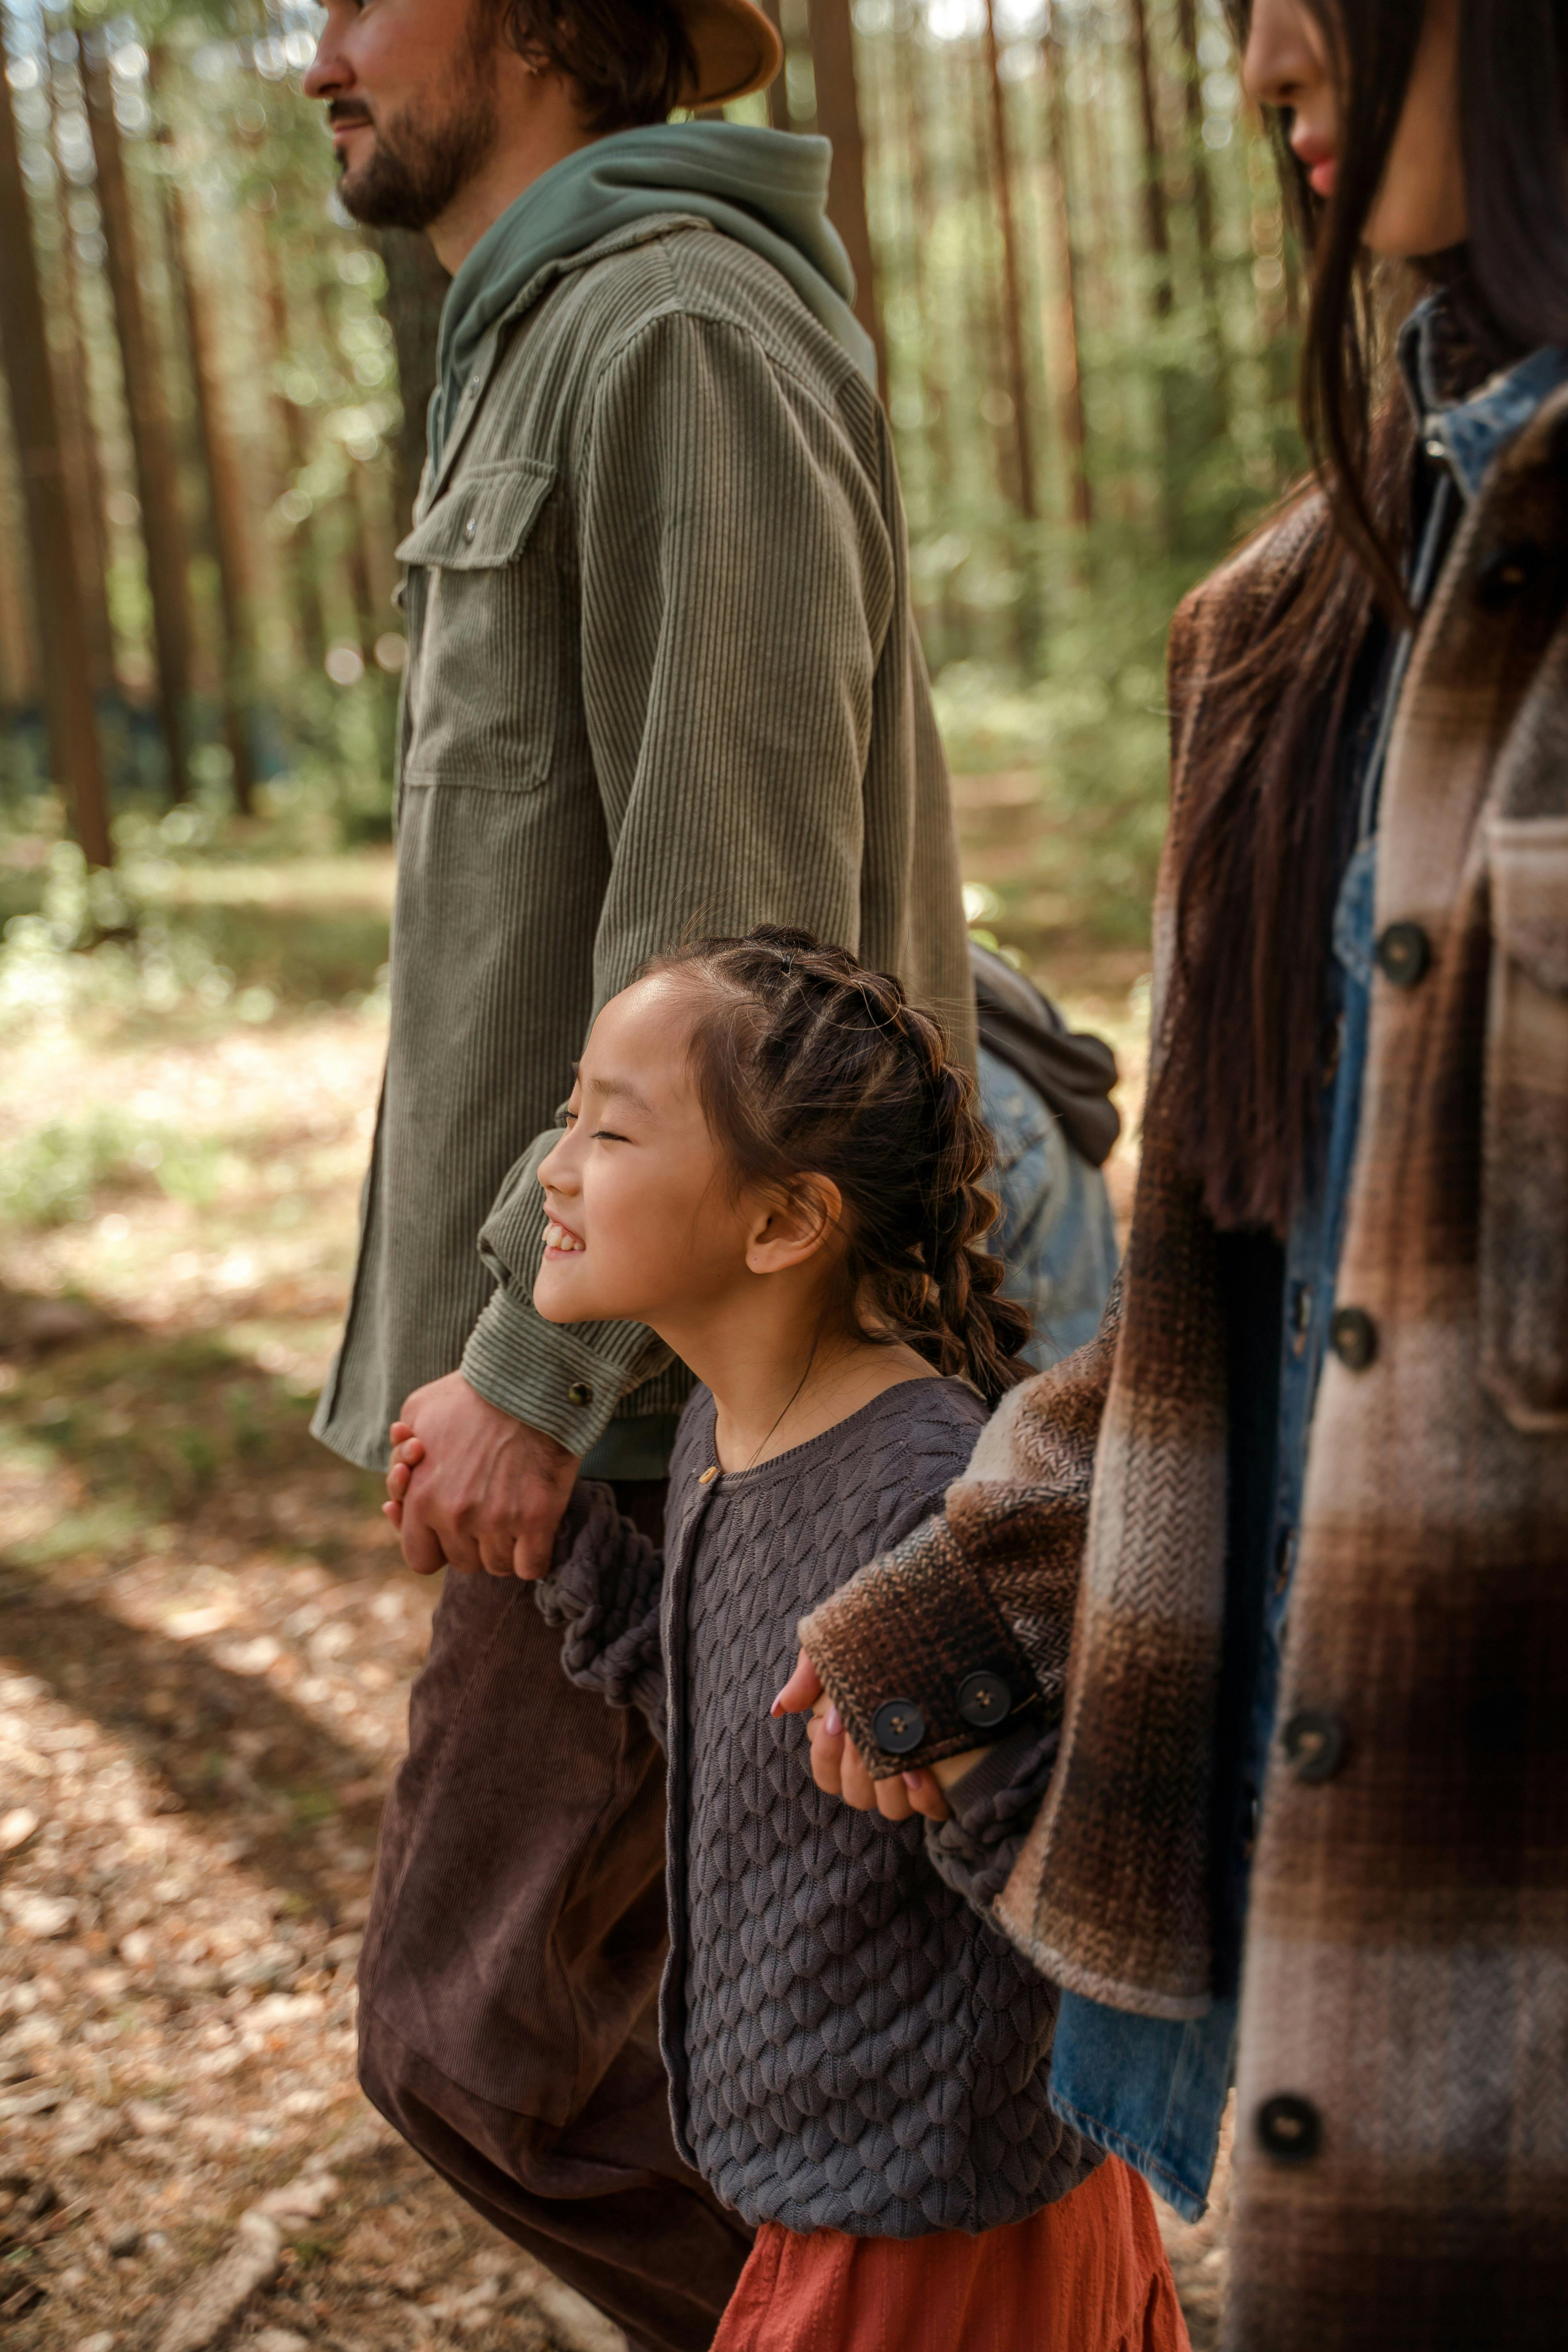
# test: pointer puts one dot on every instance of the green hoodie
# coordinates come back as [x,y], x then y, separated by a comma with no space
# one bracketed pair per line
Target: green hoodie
[766,188]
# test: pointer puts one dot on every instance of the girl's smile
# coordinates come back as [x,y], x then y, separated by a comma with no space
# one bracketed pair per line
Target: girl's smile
[560,1242]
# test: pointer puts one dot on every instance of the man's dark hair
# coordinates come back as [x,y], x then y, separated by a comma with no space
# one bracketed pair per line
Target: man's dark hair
[631,59]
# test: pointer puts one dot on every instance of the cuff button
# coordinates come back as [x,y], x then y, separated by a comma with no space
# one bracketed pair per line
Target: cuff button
[899,1727]
[984,1700]
[579,1393]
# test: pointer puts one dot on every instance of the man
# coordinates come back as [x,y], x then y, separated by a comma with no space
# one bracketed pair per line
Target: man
[662,674]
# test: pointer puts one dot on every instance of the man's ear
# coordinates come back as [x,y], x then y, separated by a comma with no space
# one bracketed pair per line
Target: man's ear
[789,1228]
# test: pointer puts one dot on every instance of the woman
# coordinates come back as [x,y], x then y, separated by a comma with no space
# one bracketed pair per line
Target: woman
[1355,1163]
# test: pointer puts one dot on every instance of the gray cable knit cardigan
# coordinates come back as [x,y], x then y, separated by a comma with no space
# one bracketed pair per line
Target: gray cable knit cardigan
[850,2044]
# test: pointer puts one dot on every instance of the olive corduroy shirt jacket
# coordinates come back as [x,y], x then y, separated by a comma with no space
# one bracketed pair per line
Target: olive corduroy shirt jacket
[662,676]
[1401,2146]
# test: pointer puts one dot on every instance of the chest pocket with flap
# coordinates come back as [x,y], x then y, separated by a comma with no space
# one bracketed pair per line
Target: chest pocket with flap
[487,616]
[1525,1178]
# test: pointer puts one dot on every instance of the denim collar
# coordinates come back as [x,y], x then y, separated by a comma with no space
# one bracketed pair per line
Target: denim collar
[1467,434]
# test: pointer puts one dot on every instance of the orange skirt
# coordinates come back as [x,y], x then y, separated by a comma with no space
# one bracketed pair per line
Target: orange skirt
[1086,2274]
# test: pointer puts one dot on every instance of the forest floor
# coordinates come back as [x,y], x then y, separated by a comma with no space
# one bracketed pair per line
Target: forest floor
[206,1640]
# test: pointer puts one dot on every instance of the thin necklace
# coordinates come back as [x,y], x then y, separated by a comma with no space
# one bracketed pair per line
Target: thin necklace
[708,1476]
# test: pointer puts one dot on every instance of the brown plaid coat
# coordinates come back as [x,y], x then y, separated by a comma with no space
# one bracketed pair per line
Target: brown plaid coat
[1406,1979]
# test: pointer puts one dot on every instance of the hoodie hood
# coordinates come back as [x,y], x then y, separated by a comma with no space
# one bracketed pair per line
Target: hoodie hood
[768,189]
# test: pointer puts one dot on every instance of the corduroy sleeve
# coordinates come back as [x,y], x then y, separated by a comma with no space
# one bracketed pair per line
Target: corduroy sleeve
[989,1587]
[737,583]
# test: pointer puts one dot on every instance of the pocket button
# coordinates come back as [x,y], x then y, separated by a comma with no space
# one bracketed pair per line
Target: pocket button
[1354,1338]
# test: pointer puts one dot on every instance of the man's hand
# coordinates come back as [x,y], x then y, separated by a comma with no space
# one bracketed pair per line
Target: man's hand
[473,1489]
[839,1769]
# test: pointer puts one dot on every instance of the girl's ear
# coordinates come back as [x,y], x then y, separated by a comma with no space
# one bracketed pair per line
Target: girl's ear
[792,1227]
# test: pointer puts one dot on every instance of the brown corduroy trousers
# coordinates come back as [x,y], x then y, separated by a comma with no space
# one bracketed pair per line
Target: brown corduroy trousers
[509,1977]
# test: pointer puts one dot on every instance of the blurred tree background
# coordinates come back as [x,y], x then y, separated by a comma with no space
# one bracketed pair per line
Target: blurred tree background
[1071,256]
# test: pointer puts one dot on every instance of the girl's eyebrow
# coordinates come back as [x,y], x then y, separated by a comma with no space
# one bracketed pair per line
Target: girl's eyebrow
[624,1089]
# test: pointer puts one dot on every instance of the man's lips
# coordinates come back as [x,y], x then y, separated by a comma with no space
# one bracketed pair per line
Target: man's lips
[340,123]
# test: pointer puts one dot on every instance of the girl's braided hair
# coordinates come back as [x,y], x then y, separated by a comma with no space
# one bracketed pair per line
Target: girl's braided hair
[806,1063]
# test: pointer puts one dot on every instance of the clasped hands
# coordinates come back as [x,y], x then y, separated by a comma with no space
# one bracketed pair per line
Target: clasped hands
[489,1497]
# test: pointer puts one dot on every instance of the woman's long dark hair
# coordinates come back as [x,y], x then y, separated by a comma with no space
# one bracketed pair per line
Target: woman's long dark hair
[1242,1079]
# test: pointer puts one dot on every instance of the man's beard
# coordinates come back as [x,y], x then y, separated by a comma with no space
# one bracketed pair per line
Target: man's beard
[423,158]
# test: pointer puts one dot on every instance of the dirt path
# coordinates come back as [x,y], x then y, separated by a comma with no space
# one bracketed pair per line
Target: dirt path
[207,1647]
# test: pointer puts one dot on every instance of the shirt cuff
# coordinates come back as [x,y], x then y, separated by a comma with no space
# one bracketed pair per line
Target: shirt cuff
[567,1380]
[920,1659]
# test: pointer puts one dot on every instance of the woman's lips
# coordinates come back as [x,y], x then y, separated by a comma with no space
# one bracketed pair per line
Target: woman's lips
[560,1242]
[1321,178]
[1318,161]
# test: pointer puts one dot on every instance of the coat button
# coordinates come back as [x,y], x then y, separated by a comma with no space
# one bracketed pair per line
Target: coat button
[579,1393]
[1290,2130]
[1352,1335]
[900,1726]
[1404,954]
[470,527]
[1314,1743]
[984,1699]
[1507,574]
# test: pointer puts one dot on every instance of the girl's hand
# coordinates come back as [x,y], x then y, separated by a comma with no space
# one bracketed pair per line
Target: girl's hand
[407,1452]
[838,1768]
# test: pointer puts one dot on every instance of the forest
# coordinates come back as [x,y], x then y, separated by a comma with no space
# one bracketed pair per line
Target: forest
[1070,253]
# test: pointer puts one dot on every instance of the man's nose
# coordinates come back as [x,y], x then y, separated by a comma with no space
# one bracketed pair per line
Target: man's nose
[328,75]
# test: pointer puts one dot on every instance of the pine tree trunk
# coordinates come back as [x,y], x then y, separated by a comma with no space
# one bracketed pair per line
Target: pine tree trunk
[1156,224]
[1074,433]
[1012,295]
[18,653]
[1203,199]
[84,473]
[839,118]
[230,521]
[151,441]
[302,550]
[75,753]
[416,288]
[778,97]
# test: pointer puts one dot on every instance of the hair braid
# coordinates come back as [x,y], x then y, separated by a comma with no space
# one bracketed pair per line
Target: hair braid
[811,1063]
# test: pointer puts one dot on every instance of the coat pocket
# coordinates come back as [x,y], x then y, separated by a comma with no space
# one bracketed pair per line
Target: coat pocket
[486,654]
[1524,1168]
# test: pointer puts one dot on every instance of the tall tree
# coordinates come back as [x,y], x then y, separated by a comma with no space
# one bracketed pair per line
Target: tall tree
[416,288]
[1068,340]
[1200,178]
[778,96]
[1012,289]
[84,472]
[1156,220]
[227,503]
[151,441]
[75,752]
[839,118]
[303,552]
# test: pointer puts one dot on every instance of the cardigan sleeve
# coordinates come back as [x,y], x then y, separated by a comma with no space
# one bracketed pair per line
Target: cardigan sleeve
[989,1585]
[605,1588]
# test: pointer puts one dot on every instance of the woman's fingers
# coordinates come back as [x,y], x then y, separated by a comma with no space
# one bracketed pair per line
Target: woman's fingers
[393,1511]
[925,1796]
[803,1689]
[826,1735]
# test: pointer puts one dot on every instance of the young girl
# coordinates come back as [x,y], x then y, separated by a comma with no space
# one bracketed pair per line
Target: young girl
[772,1161]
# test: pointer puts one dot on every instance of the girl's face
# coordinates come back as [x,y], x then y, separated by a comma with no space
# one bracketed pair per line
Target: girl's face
[645,1226]
[1420,206]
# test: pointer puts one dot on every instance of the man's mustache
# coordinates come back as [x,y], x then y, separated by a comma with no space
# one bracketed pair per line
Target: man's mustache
[341,111]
